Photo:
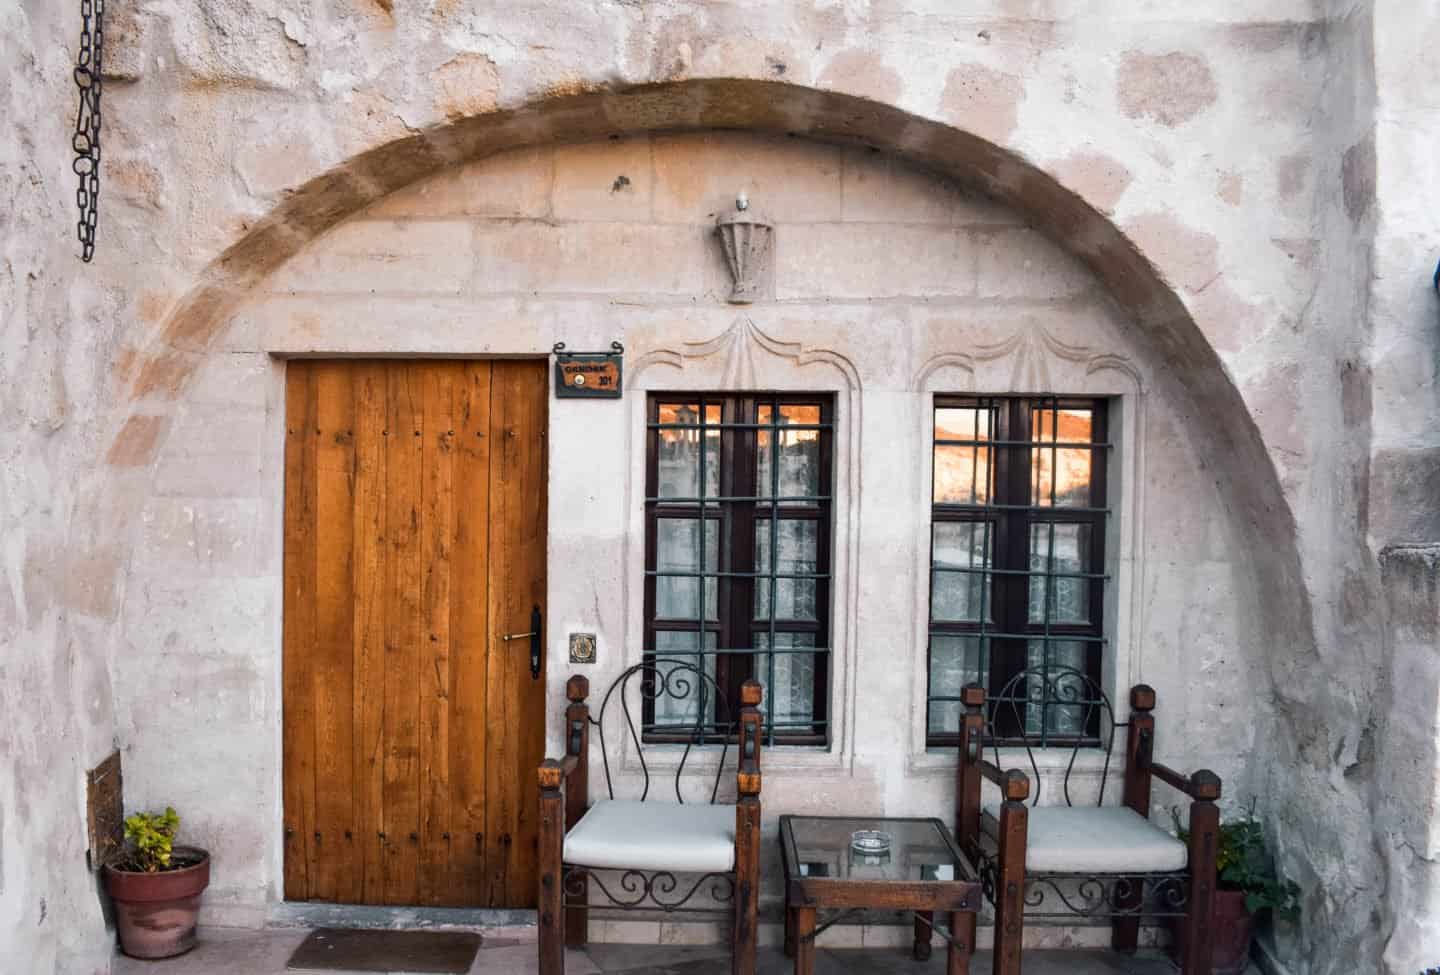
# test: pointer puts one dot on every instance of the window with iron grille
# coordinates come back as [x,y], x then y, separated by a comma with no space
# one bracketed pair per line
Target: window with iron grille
[1017,582]
[727,474]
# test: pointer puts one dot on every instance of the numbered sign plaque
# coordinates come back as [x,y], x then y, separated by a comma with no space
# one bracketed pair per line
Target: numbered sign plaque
[588,375]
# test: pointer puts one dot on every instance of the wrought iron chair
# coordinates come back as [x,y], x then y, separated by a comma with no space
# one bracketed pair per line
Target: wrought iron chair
[666,853]
[1063,861]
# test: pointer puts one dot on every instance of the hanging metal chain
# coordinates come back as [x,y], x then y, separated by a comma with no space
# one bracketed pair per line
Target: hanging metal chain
[86,142]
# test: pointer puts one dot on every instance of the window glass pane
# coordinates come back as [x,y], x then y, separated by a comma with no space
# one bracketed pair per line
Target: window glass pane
[954,662]
[679,692]
[790,686]
[963,471]
[718,473]
[1059,548]
[1050,710]
[677,549]
[964,423]
[959,595]
[797,553]
[1058,475]
[679,452]
[799,452]
[962,475]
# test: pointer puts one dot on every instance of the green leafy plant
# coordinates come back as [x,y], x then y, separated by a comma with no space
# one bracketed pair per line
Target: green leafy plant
[152,839]
[1243,863]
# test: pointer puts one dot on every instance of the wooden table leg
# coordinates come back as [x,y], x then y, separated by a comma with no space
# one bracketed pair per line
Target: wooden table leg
[804,941]
[789,931]
[962,942]
[924,921]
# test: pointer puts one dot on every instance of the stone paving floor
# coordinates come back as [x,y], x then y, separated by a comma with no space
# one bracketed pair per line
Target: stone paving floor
[243,952]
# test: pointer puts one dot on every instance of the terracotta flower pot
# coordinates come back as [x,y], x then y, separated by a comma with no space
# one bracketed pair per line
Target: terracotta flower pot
[1233,928]
[156,913]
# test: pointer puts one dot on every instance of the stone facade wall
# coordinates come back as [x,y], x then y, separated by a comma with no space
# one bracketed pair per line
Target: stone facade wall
[906,282]
[1250,188]
[58,328]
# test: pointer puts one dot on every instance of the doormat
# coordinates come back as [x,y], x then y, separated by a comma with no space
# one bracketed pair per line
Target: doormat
[360,950]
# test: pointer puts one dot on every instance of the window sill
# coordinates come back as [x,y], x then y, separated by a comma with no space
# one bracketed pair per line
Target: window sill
[703,758]
[1088,761]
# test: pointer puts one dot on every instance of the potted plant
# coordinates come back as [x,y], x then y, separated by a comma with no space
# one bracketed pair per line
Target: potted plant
[1247,886]
[156,887]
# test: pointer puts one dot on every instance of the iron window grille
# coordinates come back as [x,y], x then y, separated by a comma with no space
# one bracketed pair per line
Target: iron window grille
[725,475]
[1018,523]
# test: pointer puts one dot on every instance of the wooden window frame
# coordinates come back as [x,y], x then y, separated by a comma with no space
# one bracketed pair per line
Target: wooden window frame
[1012,514]
[736,627]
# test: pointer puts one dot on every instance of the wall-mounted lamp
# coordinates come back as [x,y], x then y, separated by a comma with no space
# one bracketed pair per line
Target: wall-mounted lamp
[748,242]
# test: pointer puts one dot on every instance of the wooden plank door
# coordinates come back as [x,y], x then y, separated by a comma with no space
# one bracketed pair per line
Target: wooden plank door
[415,499]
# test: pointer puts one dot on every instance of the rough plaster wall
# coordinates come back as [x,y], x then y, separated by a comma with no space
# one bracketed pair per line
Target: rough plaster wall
[1219,144]
[1326,750]
[1405,474]
[876,262]
[1410,770]
[58,326]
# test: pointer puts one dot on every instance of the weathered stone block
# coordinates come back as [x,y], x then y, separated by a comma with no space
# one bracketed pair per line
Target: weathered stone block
[1404,486]
[138,440]
[596,258]
[237,379]
[509,184]
[697,177]
[1024,264]
[222,622]
[840,261]
[371,256]
[603,181]
[188,537]
[878,188]
[218,474]
[240,43]
[206,429]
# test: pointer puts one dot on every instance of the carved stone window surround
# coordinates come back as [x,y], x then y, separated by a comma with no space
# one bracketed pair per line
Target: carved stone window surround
[1032,360]
[746,357]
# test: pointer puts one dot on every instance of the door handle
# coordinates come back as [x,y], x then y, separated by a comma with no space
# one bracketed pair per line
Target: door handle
[535,635]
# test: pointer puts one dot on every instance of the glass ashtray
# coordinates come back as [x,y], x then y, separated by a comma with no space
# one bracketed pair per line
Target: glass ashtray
[871,842]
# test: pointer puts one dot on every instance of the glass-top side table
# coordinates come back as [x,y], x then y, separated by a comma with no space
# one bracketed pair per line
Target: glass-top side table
[828,867]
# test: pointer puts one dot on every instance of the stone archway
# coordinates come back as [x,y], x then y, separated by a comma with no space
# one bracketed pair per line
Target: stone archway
[1166,326]
[1261,522]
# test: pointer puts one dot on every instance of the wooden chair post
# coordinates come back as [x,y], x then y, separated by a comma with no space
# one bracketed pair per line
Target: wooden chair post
[1010,879]
[747,832]
[967,783]
[552,854]
[967,798]
[577,797]
[1204,842]
[1139,746]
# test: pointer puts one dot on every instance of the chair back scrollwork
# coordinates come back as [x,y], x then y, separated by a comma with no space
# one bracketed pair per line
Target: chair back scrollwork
[1054,707]
[699,713]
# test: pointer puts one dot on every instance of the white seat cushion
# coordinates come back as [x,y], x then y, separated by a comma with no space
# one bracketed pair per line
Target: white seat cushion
[1093,839]
[627,835]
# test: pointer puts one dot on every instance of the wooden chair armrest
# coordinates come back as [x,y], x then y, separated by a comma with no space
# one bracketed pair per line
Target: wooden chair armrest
[553,773]
[747,765]
[1203,785]
[1014,784]
[748,778]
